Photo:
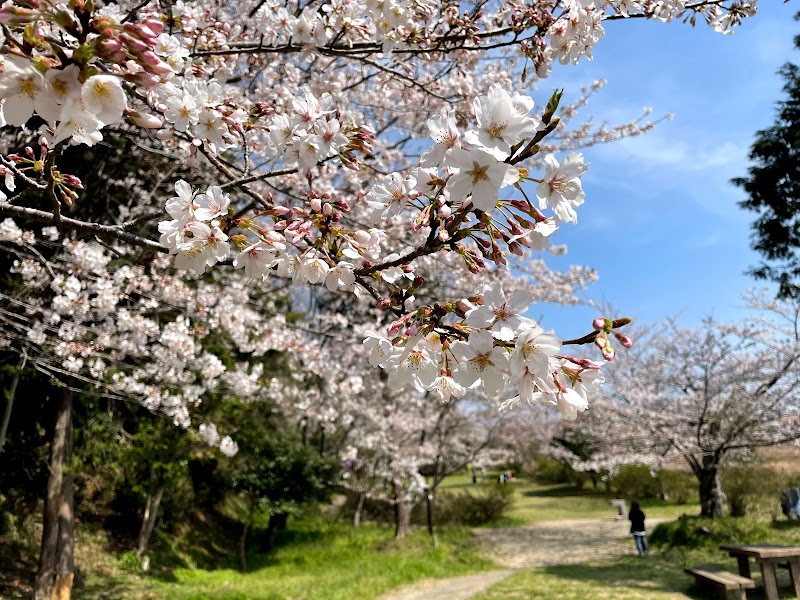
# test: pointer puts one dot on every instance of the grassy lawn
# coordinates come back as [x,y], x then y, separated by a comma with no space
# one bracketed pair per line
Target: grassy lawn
[317,560]
[657,577]
[538,502]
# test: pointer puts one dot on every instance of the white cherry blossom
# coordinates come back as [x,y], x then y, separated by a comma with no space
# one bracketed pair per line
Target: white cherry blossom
[480,359]
[561,186]
[479,174]
[104,97]
[501,313]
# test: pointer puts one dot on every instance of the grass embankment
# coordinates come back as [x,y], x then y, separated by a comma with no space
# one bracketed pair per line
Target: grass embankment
[316,560]
[538,502]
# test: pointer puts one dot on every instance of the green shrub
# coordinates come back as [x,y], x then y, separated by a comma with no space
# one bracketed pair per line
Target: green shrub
[635,482]
[753,490]
[701,532]
[483,505]
[480,505]
[678,487]
[549,470]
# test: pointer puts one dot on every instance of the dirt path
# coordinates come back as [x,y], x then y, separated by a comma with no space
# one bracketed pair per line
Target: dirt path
[541,545]
[558,542]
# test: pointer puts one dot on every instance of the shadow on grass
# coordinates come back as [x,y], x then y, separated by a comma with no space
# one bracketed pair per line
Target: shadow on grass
[659,573]
[558,491]
[643,575]
[785,525]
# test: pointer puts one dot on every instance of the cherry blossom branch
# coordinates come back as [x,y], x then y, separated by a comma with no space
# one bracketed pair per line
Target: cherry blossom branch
[589,338]
[41,216]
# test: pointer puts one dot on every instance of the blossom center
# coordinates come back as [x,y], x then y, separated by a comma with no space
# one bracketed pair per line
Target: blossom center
[478,173]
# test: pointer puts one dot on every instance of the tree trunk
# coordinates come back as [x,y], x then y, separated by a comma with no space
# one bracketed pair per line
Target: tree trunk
[243,542]
[57,560]
[402,514]
[12,392]
[712,498]
[593,477]
[662,492]
[277,523]
[429,511]
[359,508]
[150,512]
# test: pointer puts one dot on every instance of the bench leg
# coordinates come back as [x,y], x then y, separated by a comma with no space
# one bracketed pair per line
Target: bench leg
[737,595]
[794,572]
[770,579]
[744,566]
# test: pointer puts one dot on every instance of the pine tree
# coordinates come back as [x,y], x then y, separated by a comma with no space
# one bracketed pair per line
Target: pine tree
[773,189]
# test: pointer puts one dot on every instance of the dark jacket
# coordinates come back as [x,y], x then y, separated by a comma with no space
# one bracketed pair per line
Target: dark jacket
[637,520]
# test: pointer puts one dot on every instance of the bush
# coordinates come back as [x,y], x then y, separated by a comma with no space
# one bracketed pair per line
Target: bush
[635,482]
[479,506]
[702,532]
[753,490]
[549,470]
[678,487]
[484,505]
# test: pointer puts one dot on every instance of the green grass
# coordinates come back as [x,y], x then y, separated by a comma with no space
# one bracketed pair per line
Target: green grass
[318,559]
[538,502]
[657,577]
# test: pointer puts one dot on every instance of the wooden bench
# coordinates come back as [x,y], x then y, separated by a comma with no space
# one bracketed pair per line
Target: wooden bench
[727,585]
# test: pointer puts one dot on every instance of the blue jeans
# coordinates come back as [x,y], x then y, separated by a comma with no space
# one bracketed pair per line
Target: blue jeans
[641,543]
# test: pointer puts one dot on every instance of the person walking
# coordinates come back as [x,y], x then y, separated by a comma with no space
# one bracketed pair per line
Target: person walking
[786,506]
[636,517]
[794,499]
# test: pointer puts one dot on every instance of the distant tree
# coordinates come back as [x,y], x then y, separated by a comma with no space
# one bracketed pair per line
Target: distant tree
[773,189]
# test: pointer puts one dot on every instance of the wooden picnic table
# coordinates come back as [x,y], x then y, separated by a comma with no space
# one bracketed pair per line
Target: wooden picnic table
[767,556]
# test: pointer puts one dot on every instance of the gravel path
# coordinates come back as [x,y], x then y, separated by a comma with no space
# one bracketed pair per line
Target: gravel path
[541,545]
[558,542]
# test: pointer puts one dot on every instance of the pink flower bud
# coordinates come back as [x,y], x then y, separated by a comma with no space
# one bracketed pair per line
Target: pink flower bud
[397,325]
[72,181]
[445,211]
[327,209]
[146,80]
[599,323]
[623,339]
[414,329]
[144,120]
[315,204]
[133,44]
[280,211]
[110,46]
[383,304]
[608,353]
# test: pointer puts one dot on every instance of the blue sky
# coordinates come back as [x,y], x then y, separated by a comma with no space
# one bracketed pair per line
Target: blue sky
[660,221]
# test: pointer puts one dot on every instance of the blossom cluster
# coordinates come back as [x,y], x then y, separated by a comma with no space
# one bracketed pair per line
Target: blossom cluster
[500,347]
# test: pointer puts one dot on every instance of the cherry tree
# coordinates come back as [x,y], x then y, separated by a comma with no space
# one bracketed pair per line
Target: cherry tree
[367,147]
[334,74]
[702,394]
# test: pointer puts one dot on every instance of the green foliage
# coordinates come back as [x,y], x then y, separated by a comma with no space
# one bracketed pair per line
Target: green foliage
[487,504]
[549,470]
[635,482]
[314,558]
[773,189]
[753,490]
[701,532]
[273,470]
[679,487]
